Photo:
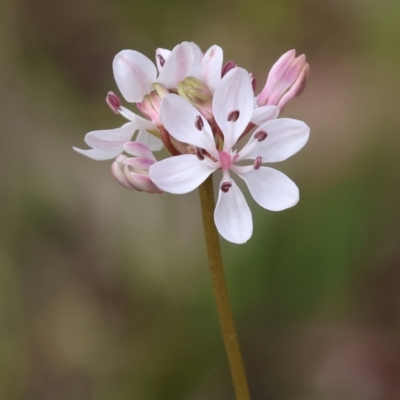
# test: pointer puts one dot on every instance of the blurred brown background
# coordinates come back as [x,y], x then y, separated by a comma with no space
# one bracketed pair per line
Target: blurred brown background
[105,293]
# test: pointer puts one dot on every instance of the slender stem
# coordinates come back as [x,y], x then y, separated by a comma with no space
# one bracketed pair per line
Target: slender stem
[221,292]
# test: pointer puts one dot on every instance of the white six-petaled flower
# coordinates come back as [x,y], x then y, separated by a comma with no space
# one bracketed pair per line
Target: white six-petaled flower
[273,141]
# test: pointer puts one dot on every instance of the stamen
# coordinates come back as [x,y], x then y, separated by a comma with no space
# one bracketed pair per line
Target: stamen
[199,153]
[227,67]
[257,162]
[233,116]
[253,81]
[161,59]
[198,123]
[225,186]
[260,135]
[113,101]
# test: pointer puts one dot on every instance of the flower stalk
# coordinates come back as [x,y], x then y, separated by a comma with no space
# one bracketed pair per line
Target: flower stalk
[229,335]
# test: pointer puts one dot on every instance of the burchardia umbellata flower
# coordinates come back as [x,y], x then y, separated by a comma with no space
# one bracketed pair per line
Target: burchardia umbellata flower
[214,148]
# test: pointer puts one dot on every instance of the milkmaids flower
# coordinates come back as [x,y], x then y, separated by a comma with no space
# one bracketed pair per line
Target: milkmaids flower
[135,74]
[213,149]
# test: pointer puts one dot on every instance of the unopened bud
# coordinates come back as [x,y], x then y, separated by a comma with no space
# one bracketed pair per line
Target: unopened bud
[286,80]
[198,94]
[150,105]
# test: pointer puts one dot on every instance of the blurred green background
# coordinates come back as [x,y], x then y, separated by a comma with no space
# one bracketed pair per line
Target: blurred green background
[105,293]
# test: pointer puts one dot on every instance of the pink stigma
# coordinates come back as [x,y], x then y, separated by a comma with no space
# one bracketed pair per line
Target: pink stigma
[226,160]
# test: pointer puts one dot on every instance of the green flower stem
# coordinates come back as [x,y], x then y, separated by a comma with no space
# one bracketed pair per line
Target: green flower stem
[221,292]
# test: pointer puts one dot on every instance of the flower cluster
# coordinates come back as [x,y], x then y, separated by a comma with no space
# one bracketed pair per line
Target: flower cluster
[199,109]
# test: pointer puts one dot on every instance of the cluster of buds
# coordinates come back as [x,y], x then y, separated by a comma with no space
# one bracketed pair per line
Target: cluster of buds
[198,109]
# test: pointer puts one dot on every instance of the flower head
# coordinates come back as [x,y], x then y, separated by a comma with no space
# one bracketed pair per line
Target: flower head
[233,110]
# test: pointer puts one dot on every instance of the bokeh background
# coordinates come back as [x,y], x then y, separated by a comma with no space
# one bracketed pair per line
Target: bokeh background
[105,293]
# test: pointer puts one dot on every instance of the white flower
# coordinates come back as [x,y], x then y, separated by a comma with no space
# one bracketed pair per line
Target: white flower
[135,73]
[109,143]
[233,108]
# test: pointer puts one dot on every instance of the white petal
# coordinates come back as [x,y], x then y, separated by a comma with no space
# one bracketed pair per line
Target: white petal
[178,65]
[110,139]
[232,215]
[285,137]
[211,66]
[151,141]
[178,117]
[264,114]
[271,189]
[197,54]
[234,93]
[134,74]
[164,54]
[140,122]
[96,154]
[180,174]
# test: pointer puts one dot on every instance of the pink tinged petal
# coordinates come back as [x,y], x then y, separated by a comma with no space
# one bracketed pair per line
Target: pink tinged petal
[264,114]
[140,122]
[180,174]
[98,154]
[233,94]
[134,74]
[143,182]
[211,66]
[271,189]
[110,139]
[180,119]
[178,65]
[232,215]
[138,149]
[296,89]
[162,57]
[285,137]
[142,163]
[151,141]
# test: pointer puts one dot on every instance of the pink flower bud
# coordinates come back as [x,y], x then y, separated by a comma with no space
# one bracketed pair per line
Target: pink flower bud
[286,80]
[150,105]
[133,173]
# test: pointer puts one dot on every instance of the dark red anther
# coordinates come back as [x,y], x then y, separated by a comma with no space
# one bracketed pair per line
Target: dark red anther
[253,81]
[260,135]
[199,153]
[198,123]
[233,116]
[257,162]
[161,59]
[227,67]
[113,101]
[225,186]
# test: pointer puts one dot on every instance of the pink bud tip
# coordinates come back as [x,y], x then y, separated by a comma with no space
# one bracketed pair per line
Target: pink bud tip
[113,101]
